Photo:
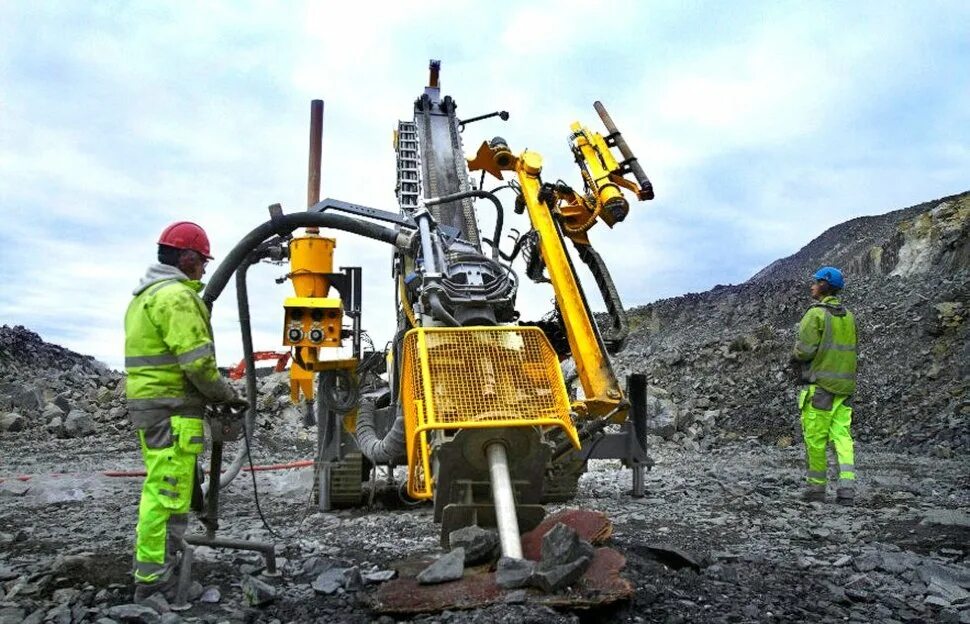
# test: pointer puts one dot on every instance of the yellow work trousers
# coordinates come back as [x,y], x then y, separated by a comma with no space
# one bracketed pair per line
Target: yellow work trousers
[827,418]
[169,449]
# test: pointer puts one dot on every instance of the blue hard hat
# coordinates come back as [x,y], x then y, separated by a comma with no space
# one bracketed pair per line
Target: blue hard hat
[831,275]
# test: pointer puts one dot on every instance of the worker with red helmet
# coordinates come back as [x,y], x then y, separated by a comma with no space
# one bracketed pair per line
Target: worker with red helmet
[171,364]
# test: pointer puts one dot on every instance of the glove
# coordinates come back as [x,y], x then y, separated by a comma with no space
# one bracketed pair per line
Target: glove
[238,403]
[796,371]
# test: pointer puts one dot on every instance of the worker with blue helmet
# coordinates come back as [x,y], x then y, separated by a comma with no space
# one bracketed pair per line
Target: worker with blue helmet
[826,352]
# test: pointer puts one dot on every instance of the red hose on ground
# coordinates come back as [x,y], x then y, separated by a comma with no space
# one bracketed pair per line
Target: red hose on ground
[303,463]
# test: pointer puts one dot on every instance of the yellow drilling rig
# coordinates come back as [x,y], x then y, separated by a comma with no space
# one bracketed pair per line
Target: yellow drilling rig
[474,401]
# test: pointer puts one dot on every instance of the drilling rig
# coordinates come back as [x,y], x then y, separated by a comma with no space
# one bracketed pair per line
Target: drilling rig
[475,403]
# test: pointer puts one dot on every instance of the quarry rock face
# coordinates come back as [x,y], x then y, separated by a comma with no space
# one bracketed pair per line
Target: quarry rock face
[722,356]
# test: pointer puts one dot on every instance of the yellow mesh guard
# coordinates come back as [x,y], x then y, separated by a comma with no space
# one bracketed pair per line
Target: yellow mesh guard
[477,377]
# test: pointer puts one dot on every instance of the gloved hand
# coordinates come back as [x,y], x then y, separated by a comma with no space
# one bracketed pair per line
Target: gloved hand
[238,403]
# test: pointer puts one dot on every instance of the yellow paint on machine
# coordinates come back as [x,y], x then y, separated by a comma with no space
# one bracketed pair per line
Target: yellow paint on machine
[476,378]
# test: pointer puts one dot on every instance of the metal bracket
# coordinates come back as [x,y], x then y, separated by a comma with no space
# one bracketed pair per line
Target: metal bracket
[403,220]
[275,214]
[503,115]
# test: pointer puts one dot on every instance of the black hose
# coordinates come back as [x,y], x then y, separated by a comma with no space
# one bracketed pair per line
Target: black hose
[285,225]
[592,428]
[604,281]
[249,251]
[515,249]
[499,211]
[245,329]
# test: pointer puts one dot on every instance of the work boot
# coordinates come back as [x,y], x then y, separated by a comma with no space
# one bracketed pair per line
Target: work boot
[166,588]
[845,495]
[814,494]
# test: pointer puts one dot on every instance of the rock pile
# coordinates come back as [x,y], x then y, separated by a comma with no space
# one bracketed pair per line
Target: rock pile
[46,387]
[718,361]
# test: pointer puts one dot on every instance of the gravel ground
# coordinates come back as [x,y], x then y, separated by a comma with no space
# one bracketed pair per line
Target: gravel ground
[759,553]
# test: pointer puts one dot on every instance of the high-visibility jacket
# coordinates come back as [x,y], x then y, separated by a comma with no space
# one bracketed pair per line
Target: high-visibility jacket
[827,339]
[169,353]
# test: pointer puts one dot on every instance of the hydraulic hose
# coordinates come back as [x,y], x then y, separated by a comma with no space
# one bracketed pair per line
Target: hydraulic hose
[286,224]
[245,329]
[604,281]
[499,211]
[390,449]
[439,312]
[249,251]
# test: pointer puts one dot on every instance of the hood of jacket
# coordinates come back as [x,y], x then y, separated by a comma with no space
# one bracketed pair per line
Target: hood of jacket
[832,304]
[159,272]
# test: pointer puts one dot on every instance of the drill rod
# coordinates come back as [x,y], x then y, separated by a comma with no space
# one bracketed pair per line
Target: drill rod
[505,516]
[646,188]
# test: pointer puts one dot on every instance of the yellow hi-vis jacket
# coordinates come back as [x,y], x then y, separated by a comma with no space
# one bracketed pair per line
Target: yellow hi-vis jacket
[169,354]
[827,339]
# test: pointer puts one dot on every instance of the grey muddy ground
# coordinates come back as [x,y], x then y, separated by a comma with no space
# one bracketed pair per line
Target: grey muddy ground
[900,554]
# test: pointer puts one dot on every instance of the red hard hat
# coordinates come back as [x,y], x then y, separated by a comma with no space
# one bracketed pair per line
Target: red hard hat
[186,235]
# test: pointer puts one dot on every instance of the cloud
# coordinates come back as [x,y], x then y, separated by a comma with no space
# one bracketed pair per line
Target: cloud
[761,125]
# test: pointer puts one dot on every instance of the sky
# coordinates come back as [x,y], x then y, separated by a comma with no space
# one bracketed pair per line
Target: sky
[761,125]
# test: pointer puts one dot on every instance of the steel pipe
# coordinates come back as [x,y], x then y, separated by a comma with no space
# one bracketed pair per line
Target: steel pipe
[313,168]
[505,516]
[646,188]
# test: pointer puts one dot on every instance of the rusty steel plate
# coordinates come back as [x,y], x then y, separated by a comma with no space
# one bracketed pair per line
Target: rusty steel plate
[600,585]
[592,526]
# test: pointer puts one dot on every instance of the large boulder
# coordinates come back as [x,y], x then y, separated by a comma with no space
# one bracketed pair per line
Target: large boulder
[663,415]
[11,422]
[78,424]
[29,398]
[56,426]
[51,412]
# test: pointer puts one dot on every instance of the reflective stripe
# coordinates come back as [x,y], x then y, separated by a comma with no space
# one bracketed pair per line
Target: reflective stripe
[168,493]
[166,359]
[171,480]
[831,346]
[847,483]
[149,572]
[146,419]
[160,285]
[828,375]
[196,440]
[806,348]
[846,467]
[816,474]
[162,359]
[149,413]
[192,355]
[169,403]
